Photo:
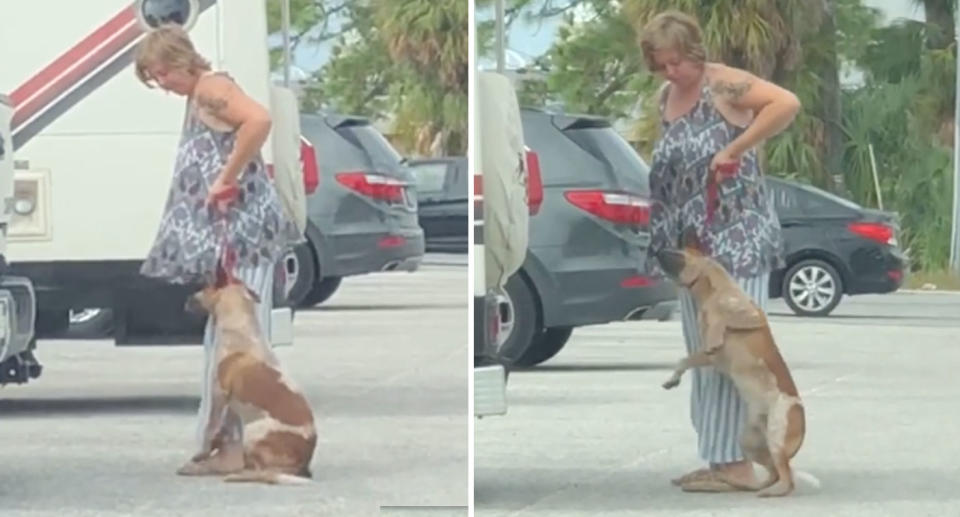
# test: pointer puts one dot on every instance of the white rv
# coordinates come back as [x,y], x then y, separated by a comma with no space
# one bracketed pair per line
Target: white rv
[17,300]
[94,150]
[501,226]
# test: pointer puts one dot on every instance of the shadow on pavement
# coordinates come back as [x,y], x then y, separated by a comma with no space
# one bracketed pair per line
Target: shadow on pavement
[597,367]
[60,406]
[595,491]
[404,307]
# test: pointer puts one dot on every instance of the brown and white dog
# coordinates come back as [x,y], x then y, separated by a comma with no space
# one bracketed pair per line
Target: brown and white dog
[279,435]
[737,341]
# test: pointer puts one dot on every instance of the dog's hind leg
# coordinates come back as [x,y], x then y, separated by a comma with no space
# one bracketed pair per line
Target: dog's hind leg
[784,438]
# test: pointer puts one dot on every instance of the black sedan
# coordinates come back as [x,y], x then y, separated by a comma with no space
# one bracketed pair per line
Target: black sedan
[833,247]
[442,200]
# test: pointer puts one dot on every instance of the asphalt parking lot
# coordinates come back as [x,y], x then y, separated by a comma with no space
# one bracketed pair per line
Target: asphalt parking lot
[103,430]
[593,433]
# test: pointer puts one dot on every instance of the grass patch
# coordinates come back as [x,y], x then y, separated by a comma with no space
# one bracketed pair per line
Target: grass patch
[944,280]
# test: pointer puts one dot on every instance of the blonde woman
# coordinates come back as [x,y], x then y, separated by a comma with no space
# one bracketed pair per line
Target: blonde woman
[223,220]
[707,187]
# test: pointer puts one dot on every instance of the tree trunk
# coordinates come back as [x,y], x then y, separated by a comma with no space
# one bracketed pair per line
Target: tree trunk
[939,15]
[831,105]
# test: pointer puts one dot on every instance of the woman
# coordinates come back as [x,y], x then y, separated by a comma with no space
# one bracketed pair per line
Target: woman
[223,220]
[707,188]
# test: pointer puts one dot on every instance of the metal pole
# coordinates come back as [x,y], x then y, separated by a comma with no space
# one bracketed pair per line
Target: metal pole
[955,235]
[285,27]
[501,49]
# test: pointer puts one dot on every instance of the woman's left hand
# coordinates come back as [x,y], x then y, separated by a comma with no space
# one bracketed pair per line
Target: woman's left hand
[725,164]
[222,193]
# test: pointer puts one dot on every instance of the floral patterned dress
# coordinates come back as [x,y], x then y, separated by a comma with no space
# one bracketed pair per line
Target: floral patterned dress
[743,231]
[193,237]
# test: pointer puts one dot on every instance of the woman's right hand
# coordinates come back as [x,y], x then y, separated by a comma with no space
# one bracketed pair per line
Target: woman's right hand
[222,193]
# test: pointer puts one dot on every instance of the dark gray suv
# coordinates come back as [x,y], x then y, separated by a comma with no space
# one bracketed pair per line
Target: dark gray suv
[588,242]
[362,216]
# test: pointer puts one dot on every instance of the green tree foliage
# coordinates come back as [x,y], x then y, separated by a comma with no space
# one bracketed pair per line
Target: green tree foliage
[405,60]
[903,107]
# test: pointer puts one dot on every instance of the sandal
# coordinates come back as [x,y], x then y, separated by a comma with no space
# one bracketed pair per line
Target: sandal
[712,482]
[700,473]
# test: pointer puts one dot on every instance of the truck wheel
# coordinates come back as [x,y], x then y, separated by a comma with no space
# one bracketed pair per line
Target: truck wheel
[321,291]
[90,324]
[545,345]
[519,320]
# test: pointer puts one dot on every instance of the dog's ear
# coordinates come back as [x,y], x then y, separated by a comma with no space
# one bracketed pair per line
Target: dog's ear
[690,241]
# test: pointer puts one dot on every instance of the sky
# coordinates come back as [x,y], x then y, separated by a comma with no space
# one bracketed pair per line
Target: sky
[529,40]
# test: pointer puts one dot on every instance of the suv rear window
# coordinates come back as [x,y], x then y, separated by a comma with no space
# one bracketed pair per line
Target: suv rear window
[367,138]
[606,145]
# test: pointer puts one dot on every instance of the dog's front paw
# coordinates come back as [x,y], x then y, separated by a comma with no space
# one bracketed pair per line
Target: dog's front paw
[671,383]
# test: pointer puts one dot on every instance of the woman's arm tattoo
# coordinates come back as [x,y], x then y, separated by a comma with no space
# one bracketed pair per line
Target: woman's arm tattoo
[733,91]
[214,104]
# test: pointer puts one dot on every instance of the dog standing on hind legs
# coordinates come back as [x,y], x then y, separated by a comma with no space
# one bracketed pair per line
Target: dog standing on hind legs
[279,435]
[738,342]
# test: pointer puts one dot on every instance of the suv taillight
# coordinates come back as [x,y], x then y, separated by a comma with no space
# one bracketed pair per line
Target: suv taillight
[874,231]
[376,186]
[308,162]
[534,182]
[616,207]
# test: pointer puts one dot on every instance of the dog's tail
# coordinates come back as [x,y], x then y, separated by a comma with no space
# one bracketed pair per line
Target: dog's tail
[269,477]
[807,478]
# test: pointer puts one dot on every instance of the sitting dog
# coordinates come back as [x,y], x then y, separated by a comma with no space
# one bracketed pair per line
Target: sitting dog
[279,435]
[737,340]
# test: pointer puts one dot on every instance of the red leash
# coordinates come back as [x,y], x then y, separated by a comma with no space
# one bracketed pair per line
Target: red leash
[727,169]
[229,256]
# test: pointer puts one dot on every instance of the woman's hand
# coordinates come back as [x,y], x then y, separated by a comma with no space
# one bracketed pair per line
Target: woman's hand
[222,193]
[725,164]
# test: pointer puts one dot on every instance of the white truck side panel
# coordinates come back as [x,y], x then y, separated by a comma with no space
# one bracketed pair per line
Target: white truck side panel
[108,160]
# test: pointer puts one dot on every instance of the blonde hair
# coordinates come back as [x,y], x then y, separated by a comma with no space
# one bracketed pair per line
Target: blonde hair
[168,45]
[672,30]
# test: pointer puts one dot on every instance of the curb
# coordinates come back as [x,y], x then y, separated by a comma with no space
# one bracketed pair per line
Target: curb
[925,291]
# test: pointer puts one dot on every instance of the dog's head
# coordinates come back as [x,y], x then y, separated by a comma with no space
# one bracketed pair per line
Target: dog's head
[687,265]
[211,300]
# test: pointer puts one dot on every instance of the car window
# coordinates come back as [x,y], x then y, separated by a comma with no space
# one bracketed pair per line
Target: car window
[430,178]
[609,147]
[785,200]
[820,202]
[818,199]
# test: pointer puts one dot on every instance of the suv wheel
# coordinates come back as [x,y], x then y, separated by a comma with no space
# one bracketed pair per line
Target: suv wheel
[299,269]
[518,319]
[545,345]
[812,288]
[321,291]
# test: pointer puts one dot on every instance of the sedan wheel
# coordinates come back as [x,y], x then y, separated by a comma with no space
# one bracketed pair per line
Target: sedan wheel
[812,288]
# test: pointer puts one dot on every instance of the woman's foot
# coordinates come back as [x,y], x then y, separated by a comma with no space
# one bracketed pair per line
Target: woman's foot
[740,473]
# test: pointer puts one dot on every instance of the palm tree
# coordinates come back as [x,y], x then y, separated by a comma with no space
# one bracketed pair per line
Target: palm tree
[430,38]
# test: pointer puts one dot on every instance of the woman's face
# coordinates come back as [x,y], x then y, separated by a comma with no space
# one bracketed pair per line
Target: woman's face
[176,80]
[676,68]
